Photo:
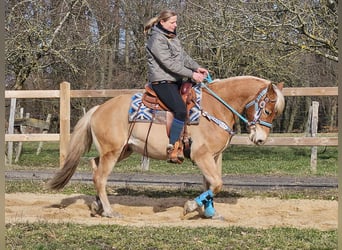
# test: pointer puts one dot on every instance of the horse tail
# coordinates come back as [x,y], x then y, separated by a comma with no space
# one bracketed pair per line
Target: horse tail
[80,143]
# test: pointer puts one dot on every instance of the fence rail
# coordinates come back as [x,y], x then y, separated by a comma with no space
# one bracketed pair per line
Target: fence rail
[303,91]
[65,94]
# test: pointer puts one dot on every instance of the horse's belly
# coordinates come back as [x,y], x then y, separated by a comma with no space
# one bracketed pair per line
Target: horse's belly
[151,142]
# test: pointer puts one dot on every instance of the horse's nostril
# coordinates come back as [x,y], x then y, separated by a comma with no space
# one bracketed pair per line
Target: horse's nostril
[260,142]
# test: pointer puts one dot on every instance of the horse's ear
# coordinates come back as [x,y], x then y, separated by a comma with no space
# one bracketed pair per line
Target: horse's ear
[280,86]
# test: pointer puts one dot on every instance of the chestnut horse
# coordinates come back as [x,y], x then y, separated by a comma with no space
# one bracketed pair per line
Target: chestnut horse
[108,127]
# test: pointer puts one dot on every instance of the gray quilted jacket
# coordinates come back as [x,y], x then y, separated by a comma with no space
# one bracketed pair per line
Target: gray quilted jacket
[166,58]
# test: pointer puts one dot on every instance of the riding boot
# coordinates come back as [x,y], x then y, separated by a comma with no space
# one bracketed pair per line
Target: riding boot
[174,149]
[173,153]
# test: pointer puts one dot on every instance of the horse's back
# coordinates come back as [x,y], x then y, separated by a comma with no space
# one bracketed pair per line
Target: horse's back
[110,120]
[114,107]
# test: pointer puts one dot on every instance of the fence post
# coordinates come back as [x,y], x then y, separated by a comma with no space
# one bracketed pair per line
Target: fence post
[11,129]
[145,163]
[48,120]
[64,121]
[21,130]
[314,125]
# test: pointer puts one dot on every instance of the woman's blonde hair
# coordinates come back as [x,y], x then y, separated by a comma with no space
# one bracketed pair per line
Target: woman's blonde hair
[163,15]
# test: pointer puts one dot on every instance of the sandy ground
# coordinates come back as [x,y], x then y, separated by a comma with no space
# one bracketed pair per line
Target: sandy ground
[144,211]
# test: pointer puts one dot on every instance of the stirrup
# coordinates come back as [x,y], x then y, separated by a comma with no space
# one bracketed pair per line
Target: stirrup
[174,153]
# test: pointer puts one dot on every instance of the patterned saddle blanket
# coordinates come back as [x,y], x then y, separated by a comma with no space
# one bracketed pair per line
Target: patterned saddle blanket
[138,112]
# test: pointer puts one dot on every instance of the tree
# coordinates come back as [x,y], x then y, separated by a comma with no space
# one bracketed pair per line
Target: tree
[47,36]
[279,40]
[100,43]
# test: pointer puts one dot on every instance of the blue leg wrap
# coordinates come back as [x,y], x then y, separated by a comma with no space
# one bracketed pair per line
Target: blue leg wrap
[209,210]
[206,199]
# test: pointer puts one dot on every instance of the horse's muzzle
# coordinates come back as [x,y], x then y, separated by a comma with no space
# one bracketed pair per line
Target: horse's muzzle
[257,135]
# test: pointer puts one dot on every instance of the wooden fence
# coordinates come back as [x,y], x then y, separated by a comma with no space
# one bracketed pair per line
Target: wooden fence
[65,94]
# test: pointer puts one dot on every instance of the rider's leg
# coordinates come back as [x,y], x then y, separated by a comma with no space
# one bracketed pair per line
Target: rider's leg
[175,149]
[176,129]
[169,95]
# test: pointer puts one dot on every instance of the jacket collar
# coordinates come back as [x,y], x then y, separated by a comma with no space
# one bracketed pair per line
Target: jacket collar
[167,33]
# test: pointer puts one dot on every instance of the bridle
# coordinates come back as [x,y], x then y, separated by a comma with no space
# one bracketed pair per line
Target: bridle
[259,105]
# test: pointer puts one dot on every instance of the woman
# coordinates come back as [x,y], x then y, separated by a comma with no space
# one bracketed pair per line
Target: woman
[168,64]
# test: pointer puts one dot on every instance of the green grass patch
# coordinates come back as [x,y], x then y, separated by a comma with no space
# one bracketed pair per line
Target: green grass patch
[264,160]
[279,160]
[74,236]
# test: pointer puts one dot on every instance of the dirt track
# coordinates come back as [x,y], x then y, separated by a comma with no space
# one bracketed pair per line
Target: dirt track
[144,211]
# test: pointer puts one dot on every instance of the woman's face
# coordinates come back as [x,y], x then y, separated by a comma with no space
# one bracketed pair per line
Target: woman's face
[170,24]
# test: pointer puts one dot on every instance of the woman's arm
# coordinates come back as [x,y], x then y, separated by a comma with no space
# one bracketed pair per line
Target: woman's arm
[159,47]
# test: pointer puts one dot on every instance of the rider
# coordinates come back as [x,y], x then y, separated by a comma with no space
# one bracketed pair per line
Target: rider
[168,64]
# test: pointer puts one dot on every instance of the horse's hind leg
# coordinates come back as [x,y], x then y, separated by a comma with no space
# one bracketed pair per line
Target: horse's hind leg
[96,206]
[102,167]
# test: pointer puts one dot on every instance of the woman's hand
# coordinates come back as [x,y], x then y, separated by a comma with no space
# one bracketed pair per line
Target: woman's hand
[202,71]
[198,77]
[200,74]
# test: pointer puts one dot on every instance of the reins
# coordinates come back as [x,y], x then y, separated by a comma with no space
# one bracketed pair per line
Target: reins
[258,107]
[209,80]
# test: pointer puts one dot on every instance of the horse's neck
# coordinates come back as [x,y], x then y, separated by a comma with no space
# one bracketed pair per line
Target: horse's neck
[236,93]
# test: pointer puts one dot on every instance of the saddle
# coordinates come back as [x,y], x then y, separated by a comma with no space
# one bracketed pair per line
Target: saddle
[151,100]
[188,94]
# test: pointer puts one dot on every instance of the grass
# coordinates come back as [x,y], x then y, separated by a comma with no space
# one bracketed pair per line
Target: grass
[45,236]
[264,160]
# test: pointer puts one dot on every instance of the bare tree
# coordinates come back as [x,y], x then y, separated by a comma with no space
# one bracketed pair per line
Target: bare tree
[100,43]
[45,36]
[280,40]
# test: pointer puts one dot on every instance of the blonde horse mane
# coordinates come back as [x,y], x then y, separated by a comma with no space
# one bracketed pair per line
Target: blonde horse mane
[280,103]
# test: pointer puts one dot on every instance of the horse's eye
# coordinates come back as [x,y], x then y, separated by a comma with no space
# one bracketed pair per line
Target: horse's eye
[267,112]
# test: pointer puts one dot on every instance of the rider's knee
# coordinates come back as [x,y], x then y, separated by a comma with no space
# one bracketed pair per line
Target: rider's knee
[180,115]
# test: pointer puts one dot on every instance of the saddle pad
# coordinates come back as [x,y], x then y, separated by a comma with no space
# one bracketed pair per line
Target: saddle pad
[138,112]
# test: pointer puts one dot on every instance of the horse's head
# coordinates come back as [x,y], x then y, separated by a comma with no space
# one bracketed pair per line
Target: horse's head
[262,110]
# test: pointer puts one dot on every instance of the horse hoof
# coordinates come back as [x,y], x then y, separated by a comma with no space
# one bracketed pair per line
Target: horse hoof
[189,207]
[217,216]
[111,215]
[96,209]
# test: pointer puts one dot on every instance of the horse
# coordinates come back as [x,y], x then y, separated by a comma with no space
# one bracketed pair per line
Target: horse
[108,127]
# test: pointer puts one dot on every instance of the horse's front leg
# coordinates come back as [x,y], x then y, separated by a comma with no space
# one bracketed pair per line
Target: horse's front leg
[101,170]
[211,170]
[218,165]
